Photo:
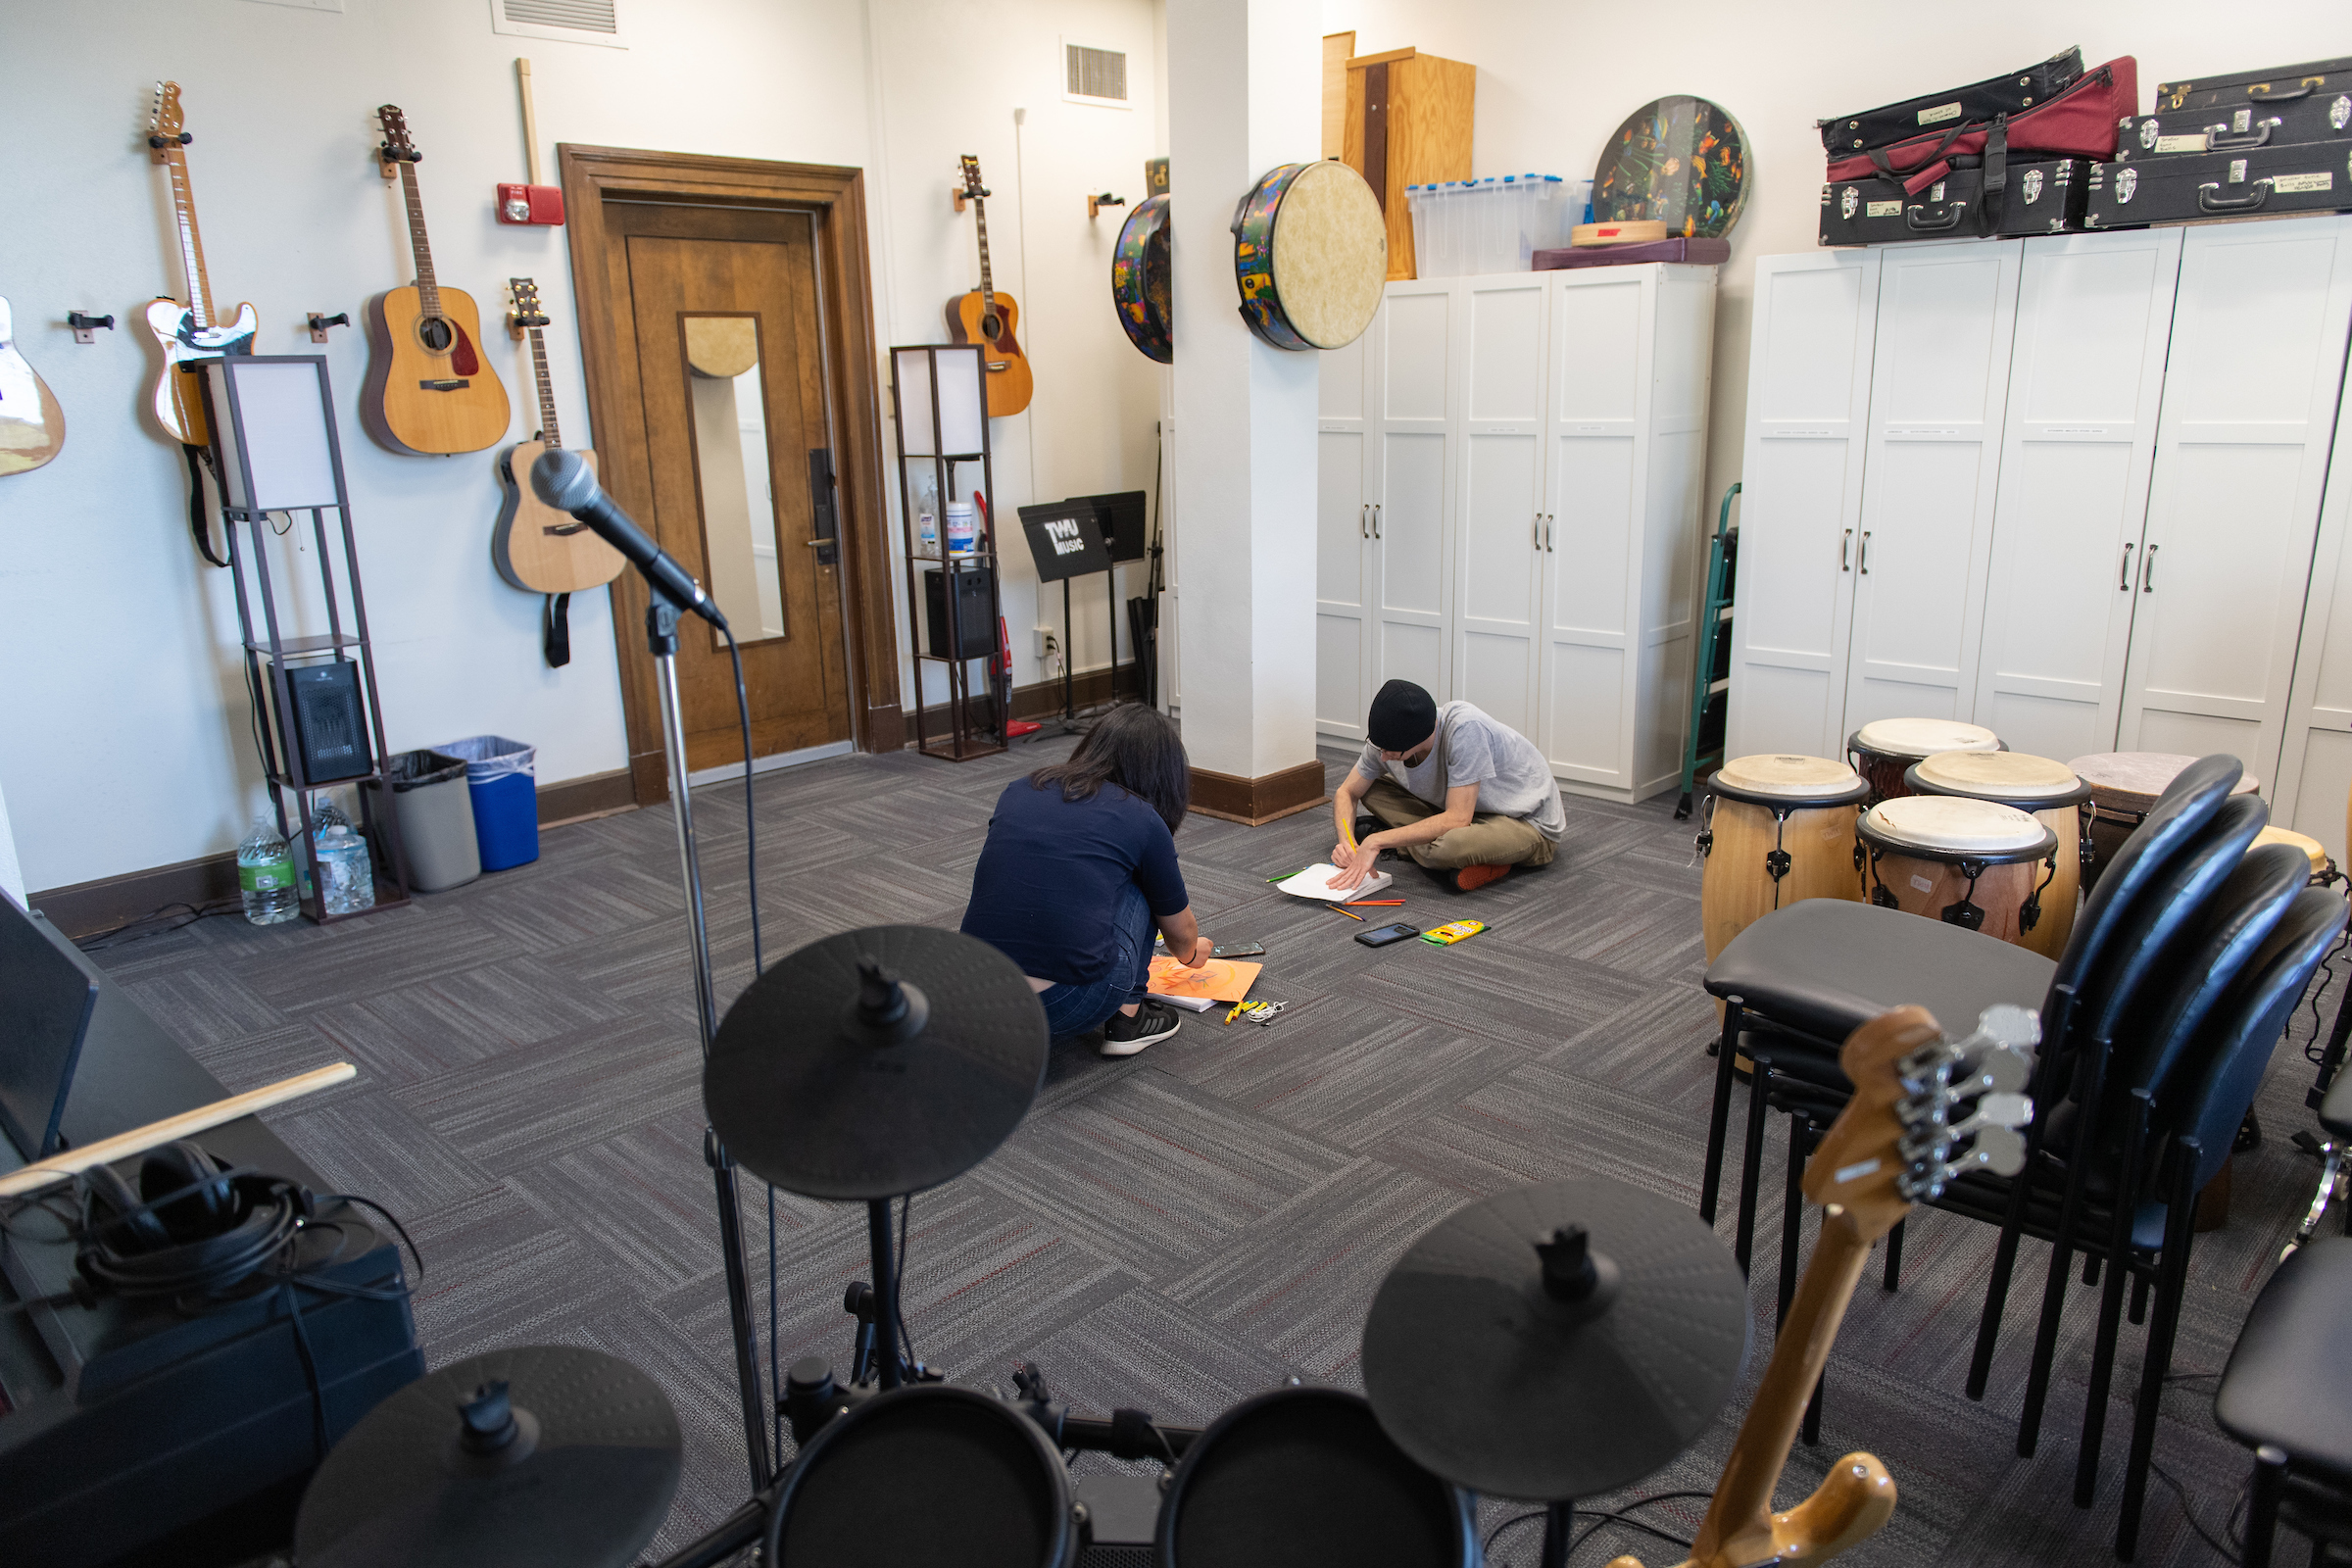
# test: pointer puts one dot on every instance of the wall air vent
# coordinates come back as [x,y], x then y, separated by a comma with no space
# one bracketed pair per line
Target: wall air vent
[596,21]
[1094,76]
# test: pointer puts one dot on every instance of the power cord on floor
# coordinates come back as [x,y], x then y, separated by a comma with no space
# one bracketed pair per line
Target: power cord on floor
[2228,1550]
[164,919]
[1601,1520]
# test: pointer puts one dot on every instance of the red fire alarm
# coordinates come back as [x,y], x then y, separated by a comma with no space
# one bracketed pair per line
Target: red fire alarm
[530,204]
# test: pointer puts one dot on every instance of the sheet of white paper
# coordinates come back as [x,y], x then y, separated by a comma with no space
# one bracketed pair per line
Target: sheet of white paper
[1315,883]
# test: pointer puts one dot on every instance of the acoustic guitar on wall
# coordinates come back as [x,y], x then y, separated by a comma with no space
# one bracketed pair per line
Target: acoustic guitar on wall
[1925,1110]
[428,390]
[193,332]
[535,547]
[31,426]
[987,318]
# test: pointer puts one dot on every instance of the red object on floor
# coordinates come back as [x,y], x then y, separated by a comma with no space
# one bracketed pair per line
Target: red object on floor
[1470,877]
[1017,727]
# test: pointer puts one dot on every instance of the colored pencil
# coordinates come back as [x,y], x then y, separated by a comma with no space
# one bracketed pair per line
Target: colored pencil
[1349,913]
[1372,903]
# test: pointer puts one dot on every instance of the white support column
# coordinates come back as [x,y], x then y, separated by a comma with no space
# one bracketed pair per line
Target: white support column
[1242,98]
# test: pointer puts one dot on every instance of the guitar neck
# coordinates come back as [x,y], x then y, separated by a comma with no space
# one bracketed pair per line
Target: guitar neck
[428,291]
[1742,1501]
[191,242]
[547,391]
[988,292]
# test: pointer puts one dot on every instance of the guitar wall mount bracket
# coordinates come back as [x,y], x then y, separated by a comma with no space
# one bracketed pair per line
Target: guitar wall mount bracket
[1096,204]
[85,328]
[320,324]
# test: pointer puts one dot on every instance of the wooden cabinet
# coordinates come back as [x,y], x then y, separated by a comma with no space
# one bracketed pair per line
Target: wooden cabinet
[1407,122]
[1519,458]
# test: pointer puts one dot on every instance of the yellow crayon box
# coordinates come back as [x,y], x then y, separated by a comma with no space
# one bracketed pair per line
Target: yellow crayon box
[1453,931]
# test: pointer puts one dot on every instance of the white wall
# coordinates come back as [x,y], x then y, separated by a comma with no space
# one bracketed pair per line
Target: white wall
[124,735]
[1554,81]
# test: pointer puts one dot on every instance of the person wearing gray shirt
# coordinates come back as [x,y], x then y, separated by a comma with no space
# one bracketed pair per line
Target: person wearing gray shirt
[1466,796]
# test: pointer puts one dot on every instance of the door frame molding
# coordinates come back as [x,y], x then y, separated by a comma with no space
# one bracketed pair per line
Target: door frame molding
[836,195]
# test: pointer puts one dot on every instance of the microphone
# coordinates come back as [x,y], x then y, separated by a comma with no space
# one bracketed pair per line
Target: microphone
[564,480]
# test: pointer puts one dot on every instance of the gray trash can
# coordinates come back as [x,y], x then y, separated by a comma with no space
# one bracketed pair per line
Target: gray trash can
[434,808]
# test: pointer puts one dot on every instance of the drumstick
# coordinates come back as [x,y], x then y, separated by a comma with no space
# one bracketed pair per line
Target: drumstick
[72,1161]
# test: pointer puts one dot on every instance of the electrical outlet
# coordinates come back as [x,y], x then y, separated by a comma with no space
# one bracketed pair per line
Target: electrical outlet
[1044,642]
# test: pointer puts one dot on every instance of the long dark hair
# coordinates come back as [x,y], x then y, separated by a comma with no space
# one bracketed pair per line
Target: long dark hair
[1135,748]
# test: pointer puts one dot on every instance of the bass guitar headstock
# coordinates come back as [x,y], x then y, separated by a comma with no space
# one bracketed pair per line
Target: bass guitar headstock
[166,127]
[527,312]
[1926,1110]
[973,189]
[397,148]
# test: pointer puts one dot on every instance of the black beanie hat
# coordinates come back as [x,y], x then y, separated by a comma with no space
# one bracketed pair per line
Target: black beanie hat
[1402,717]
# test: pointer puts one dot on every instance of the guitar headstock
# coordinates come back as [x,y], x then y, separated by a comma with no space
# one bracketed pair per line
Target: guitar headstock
[973,190]
[166,127]
[527,310]
[1925,1110]
[396,147]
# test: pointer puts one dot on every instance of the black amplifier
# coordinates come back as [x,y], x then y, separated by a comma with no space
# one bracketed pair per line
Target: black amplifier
[2303,177]
[973,620]
[2043,198]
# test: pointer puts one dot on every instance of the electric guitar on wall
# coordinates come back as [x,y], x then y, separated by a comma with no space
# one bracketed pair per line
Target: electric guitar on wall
[986,317]
[428,388]
[535,547]
[31,426]
[1925,1110]
[189,333]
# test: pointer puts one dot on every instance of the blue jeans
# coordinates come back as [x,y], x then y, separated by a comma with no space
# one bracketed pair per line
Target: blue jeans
[1076,1010]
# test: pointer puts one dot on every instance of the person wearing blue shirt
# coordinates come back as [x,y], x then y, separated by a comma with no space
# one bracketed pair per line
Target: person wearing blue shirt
[1079,867]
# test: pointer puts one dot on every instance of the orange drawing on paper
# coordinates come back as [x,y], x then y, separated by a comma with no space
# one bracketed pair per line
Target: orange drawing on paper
[1217,980]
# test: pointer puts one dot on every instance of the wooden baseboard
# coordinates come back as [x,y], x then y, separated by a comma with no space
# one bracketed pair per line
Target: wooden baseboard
[84,907]
[1042,700]
[1255,802]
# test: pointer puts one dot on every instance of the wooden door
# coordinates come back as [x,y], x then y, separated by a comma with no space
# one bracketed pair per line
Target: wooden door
[729,362]
[2255,367]
[1344,496]
[1800,500]
[1498,553]
[1413,430]
[1940,383]
[2085,380]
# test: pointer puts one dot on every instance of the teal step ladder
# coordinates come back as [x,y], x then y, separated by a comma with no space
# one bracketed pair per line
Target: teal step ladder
[1711,669]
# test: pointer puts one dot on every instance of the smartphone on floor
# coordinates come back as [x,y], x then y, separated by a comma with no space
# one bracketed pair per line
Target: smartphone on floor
[1380,936]
[1239,949]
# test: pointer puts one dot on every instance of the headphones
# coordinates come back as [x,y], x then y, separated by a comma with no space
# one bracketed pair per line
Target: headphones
[191,1229]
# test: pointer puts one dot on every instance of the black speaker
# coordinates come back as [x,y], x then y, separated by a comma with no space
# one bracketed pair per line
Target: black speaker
[329,738]
[978,625]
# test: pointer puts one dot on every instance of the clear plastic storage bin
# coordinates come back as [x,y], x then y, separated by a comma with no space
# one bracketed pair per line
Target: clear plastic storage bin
[1494,224]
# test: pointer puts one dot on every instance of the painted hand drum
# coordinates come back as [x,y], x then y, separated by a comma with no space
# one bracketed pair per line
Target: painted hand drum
[1779,829]
[1310,256]
[2323,869]
[2053,793]
[1977,864]
[1884,747]
[2124,787]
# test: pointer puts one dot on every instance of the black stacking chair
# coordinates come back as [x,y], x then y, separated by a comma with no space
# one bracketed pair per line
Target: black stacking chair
[2286,1394]
[2335,1120]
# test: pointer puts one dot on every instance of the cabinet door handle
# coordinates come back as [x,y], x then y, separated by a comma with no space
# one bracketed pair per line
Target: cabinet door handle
[1845,551]
[1548,521]
[1538,530]
[2123,585]
[2148,570]
[1376,519]
[1866,552]
[1363,521]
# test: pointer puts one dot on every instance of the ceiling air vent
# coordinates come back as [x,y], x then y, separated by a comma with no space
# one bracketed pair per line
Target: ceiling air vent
[1092,75]
[596,21]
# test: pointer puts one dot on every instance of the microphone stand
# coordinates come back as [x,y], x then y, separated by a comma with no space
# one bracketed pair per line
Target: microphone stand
[661,641]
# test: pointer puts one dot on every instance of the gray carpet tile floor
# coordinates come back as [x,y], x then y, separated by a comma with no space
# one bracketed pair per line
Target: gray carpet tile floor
[1174,1230]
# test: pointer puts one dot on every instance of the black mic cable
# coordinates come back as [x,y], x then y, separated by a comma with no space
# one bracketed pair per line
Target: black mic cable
[564,480]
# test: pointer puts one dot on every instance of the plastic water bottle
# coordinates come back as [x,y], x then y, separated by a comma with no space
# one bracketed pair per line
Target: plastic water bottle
[266,875]
[926,512]
[346,875]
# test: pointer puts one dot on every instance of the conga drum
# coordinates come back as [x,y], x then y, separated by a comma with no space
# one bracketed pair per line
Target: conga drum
[1778,829]
[2323,868]
[1977,864]
[2124,787]
[1883,750]
[2053,793]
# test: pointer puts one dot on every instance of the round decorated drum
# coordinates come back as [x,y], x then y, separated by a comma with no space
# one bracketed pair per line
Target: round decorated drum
[1779,829]
[1679,160]
[2323,869]
[1884,747]
[1139,280]
[2123,789]
[2054,792]
[1310,253]
[1973,863]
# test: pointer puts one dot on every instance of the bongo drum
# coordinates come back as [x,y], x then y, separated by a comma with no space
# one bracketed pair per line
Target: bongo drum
[1311,254]
[1977,864]
[2053,793]
[2124,787]
[2323,869]
[1778,829]
[1882,749]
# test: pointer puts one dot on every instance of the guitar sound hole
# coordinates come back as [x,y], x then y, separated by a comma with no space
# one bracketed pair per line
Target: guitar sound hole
[435,334]
[991,328]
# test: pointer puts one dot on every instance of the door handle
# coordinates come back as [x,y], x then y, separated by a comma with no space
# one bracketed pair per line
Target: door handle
[1866,552]
[1548,521]
[2148,570]
[1845,551]
[1376,519]
[1363,521]
[1539,531]
[2123,585]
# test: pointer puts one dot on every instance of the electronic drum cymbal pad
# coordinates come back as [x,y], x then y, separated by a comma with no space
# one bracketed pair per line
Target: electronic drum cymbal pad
[543,1455]
[1556,1341]
[876,1062]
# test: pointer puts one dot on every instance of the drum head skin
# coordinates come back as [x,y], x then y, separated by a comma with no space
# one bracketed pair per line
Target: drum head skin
[1310,256]
[2130,781]
[1924,737]
[1785,780]
[2010,777]
[1954,827]
[1139,280]
[2313,849]
[1305,1478]
[1679,160]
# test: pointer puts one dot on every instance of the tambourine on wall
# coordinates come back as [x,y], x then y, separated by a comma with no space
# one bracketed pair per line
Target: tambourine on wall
[1310,257]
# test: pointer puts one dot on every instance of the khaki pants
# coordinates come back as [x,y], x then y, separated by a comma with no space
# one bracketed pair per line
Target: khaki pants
[1490,839]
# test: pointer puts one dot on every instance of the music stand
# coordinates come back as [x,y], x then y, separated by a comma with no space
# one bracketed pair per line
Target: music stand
[1065,540]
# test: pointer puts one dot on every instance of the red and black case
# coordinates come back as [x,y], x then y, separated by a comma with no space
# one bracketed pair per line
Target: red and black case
[2040,198]
[1974,104]
[2080,123]
[2257,181]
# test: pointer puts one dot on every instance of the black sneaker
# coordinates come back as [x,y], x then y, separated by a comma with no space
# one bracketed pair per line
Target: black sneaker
[1124,1036]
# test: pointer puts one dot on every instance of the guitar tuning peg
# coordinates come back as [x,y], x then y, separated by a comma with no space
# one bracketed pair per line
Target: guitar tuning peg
[2013,1027]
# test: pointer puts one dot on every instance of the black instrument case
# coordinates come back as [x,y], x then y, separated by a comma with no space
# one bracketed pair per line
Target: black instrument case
[2297,177]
